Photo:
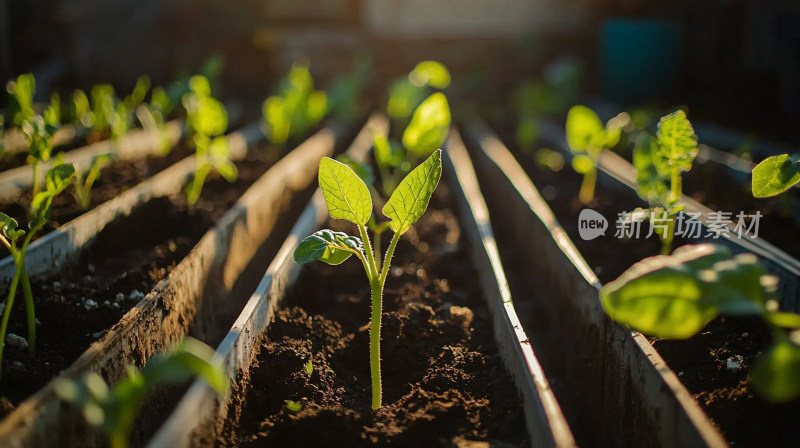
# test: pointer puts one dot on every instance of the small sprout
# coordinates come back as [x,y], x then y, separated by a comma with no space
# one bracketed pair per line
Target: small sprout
[296,108]
[407,93]
[349,198]
[82,186]
[674,297]
[659,163]
[308,368]
[587,137]
[113,410]
[208,119]
[57,179]
[293,406]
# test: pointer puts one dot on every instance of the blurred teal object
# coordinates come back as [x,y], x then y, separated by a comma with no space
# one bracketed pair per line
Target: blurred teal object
[640,58]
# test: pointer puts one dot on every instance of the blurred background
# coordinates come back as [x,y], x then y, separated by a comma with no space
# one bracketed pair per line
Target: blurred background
[730,62]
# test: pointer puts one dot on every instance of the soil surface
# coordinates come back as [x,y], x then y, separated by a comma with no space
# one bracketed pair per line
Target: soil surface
[701,361]
[444,383]
[113,180]
[129,257]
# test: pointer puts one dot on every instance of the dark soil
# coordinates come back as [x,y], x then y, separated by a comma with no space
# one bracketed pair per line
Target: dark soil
[126,261]
[701,361]
[443,381]
[113,180]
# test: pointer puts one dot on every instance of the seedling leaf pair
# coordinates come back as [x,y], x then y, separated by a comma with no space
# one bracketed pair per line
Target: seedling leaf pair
[586,137]
[348,198]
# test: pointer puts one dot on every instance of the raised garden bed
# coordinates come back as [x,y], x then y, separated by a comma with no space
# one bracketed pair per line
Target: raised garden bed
[723,392]
[195,291]
[448,380]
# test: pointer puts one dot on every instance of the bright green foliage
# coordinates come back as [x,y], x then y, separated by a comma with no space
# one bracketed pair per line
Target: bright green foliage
[20,107]
[103,107]
[431,73]
[345,193]
[659,163]
[411,197]
[677,142]
[675,296]
[348,197]
[138,94]
[113,410]
[308,368]
[83,185]
[81,111]
[293,405]
[56,180]
[52,115]
[775,175]
[207,118]
[429,126]
[296,108]
[587,137]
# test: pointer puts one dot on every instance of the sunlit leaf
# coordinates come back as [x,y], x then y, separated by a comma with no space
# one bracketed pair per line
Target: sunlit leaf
[432,73]
[677,141]
[429,126]
[410,199]
[776,373]
[346,195]
[326,245]
[775,175]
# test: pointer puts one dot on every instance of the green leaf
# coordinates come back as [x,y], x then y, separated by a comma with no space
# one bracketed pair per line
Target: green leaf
[662,296]
[677,141]
[308,368]
[21,95]
[8,226]
[293,405]
[584,130]
[206,115]
[190,359]
[776,374]
[57,179]
[775,175]
[651,174]
[410,199]
[582,164]
[346,195]
[431,73]
[219,156]
[429,126]
[328,246]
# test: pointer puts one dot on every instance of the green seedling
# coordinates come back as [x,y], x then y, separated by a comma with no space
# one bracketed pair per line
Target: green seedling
[20,99]
[675,296]
[138,94]
[775,175]
[83,185]
[348,198]
[113,411]
[207,119]
[293,406]
[80,109]
[408,92]
[295,109]
[659,165]
[308,368]
[17,240]
[37,129]
[587,137]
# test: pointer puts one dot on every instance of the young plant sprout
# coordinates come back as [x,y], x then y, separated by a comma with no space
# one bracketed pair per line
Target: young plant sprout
[775,174]
[587,137]
[113,411]
[83,185]
[295,109]
[349,198]
[17,240]
[38,129]
[208,119]
[675,296]
[661,160]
